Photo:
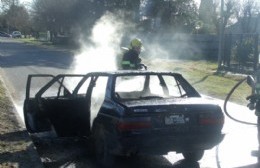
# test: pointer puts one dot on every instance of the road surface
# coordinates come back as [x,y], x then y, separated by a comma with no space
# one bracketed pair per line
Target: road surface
[17,60]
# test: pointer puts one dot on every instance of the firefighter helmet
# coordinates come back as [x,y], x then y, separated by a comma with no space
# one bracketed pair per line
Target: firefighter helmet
[136,43]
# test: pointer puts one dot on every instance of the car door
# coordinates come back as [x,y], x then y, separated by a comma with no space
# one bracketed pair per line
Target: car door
[55,106]
[33,118]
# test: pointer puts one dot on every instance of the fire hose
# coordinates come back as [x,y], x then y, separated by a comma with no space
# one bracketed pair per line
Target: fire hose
[227,99]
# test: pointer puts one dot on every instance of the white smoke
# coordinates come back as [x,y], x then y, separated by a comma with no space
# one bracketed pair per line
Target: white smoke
[102,53]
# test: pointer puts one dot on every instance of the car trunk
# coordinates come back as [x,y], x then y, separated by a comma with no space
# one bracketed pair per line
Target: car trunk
[172,116]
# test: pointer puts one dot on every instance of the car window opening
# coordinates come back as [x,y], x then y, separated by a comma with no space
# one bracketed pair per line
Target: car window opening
[148,86]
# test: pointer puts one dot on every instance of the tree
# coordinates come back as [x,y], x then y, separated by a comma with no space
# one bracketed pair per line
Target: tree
[6,4]
[16,18]
[80,15]
[174,15]
[55,16]
[206,16]
[210,15]
[248,16]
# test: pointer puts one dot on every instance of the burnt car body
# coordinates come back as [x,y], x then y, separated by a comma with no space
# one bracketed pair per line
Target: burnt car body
[125,113]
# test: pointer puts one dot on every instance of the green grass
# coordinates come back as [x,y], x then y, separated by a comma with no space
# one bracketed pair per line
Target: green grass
[202,75]
[35,41]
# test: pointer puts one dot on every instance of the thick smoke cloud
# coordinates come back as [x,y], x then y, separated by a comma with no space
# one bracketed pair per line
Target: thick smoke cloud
[101,50]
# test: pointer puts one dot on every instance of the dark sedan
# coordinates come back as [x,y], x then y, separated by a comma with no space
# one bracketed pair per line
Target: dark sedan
[4,34]
[125,113]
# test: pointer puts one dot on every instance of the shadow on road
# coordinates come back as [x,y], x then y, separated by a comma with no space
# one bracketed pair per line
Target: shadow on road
[17,150]
[153,162]
[17,54]
[185,164]
[60,152]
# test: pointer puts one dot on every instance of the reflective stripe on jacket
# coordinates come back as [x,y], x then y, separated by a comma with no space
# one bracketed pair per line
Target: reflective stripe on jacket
[128,63]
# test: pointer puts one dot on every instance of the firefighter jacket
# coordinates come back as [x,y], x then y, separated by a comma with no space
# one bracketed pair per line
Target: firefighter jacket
[131,60]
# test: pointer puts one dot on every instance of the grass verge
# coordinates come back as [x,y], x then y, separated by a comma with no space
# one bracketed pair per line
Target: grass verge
[202,75]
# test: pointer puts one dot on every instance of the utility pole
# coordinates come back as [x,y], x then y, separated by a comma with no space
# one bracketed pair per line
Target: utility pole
[221,36]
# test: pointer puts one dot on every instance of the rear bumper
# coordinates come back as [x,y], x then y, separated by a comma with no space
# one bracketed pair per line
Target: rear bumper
[160,145]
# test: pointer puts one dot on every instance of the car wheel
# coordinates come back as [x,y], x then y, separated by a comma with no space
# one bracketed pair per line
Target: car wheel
[103,156]
[193,155]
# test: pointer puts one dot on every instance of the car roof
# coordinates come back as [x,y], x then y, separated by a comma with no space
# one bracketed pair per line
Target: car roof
[132,72]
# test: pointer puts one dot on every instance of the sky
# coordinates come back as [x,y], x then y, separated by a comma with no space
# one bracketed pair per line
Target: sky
[22,1]
[25,1]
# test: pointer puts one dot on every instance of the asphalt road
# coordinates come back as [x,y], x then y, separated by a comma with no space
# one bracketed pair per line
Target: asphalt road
[17,60]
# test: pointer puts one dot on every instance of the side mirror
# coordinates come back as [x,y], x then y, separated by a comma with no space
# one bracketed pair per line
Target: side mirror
[250,81]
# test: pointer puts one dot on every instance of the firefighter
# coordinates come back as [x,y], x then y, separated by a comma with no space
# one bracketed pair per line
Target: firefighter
[131,59]
[255,105]
[256,92]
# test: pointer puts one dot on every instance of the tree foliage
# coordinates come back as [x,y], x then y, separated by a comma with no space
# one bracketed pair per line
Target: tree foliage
[71,16]
[249,16]
[18,18]
[6,4]
[207,14]
[14,17]
[210,15]
[173,15]
[81,15]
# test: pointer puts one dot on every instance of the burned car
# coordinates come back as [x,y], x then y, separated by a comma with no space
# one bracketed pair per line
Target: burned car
[125,113]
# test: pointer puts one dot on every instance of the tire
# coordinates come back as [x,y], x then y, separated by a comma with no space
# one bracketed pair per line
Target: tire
[193,155]
[103,156]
